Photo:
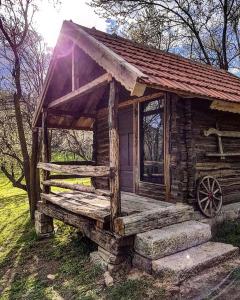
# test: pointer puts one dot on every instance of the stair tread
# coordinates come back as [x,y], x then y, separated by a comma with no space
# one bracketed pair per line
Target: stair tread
[185,263]
[168,240]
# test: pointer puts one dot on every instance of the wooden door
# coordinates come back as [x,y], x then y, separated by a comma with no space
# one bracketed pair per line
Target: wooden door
[125,123]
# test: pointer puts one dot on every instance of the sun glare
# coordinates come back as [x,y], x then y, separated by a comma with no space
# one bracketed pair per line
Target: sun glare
[49,19]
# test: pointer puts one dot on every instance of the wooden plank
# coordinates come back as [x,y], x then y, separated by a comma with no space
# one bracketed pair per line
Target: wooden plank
[125,103]
[79,204]
[114,158]
[65,216]
[123,71]
[86,171]
[223,154]
[152,219]
[232,134]
[76,115]
[226,106]
[167,156]
[77,187]
[64,176]
[111,242]
[75,162]
[83,90]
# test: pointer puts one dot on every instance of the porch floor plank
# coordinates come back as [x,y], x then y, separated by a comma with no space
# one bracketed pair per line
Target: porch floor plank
[98,207]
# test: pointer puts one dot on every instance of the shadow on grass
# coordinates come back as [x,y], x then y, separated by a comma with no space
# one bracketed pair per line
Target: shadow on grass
[42,269]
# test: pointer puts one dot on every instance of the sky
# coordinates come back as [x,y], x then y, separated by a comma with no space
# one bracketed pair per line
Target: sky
[49,19]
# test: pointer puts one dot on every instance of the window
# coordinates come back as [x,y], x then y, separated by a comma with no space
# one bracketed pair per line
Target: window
[151,141]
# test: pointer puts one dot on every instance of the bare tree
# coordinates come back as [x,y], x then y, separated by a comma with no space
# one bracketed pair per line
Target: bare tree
[23,64]
[206,30]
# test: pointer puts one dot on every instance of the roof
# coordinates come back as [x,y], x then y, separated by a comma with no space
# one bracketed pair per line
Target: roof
[138,67]
[170,71]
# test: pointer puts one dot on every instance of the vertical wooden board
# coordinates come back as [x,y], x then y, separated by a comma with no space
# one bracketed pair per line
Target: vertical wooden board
[115,201]
[167,115]
[135,147]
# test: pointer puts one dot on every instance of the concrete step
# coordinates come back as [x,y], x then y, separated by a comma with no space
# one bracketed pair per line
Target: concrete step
[158,243]
[182,265]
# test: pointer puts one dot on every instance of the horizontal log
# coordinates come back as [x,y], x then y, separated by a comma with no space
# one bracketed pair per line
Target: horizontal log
[77,187]
[77,163]
[152,219]
[80,204]
[64,176]
[233,134]
[86,171]
[223,154]
[113,243]
[83,90]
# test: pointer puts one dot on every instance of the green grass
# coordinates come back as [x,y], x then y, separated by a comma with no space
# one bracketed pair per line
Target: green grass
[57,268]
[228,232]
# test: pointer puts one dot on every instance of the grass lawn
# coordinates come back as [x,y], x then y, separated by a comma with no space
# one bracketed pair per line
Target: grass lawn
[57,268]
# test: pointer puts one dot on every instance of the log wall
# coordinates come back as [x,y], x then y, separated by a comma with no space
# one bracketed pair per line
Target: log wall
[189,145]
[226,170]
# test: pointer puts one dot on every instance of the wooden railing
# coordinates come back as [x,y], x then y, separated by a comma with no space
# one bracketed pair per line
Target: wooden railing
[84,171]
[81,171]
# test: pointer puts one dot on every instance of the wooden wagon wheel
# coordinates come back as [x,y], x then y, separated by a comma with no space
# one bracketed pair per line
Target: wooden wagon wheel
[209,196]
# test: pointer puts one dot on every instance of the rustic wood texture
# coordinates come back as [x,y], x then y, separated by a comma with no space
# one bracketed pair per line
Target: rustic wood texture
[77,187]
[85,204]
[152,219]
[124,72]
[98,207]
[82,91]
[114,157]
[85,171]
[227,172]
[111,242]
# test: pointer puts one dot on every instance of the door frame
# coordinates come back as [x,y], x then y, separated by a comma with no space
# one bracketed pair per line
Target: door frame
[166,145]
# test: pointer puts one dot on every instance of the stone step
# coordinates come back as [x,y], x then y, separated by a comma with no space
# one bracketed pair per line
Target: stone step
[158,243]
[182,265]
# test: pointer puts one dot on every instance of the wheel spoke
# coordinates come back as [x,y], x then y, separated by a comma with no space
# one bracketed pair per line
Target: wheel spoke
[209,185]
[206,188]
[216,191]
[206,206]
[204,199]
[211,208]
[202,192]
[213,184]
[217,198]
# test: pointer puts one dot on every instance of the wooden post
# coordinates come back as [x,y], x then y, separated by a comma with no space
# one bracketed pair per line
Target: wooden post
[34,178]
[167,116]
[45,149]
[115,200]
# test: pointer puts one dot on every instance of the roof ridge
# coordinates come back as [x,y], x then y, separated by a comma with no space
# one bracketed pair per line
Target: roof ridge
[148,47]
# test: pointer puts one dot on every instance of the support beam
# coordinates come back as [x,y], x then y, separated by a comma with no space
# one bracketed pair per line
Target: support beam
[115,199]
[34,173]
[85,171]
[76,115]
[75,66]
[45,149]
[82,91]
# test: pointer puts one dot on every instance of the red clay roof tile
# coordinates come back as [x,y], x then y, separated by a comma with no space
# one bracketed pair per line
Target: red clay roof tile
[171,71]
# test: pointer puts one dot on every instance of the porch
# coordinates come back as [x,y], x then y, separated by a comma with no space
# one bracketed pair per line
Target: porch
[138,213]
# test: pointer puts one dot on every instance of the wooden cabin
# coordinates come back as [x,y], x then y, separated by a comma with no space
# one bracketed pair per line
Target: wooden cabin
[166,130]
